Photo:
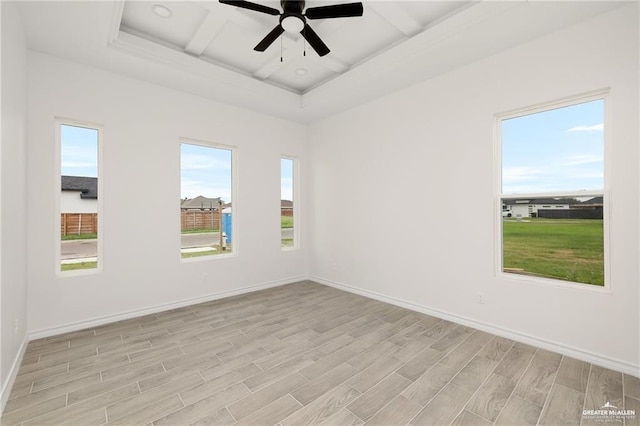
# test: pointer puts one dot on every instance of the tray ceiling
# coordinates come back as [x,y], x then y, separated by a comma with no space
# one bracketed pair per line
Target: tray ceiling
[206,48]
[225,36]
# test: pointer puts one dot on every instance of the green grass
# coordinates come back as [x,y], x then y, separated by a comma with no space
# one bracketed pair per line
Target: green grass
[68,237]
[199,230]
[286,242]
[206,253]
[78,266]
[564,249]
[201,253]
[286,221]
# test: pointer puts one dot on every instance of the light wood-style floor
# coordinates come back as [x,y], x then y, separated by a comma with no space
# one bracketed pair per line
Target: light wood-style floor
[304,354]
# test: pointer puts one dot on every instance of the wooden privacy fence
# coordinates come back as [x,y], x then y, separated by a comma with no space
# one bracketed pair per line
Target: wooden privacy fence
[87,223]
[78,223]
[199,219]
[210,219]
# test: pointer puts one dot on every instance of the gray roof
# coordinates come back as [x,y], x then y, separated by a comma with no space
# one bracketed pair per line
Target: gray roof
[512,200]
[88,186]
[200,202]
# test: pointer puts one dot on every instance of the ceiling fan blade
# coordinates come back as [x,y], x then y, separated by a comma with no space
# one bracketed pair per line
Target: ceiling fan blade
[334,11]
[251,6]
[269,39]
[314,40]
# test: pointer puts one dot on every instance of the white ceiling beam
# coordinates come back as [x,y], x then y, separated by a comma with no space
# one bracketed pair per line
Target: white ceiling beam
[204,35]
[275,64]
[397,17]
[333,64]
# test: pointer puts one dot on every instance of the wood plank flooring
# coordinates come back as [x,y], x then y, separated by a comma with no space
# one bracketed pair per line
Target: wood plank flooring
[304,354]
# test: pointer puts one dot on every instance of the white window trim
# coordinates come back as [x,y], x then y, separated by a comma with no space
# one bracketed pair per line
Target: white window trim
[59,122]
[606,192]
[296,202]
[234,195]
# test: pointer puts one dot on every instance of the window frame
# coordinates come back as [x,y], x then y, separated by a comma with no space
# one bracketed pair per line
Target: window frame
[234,199]
[605,192]
[296,197]
[58,123]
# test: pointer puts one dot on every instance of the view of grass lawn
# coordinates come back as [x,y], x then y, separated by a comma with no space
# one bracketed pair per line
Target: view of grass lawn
[79,237]
[286,221]
[77,266]
[199,230]
[186,255]
[564,249]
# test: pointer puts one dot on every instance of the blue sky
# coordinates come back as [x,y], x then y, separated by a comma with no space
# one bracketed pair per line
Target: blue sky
[554,151]
[286,179]
[205,171]
[79,151]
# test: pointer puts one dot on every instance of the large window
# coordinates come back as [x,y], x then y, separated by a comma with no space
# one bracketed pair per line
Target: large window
[206,211]
[552,194]
[79,196]
[287,203]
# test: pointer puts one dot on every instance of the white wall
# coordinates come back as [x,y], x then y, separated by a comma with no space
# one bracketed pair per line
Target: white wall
[70,202]
[13,187]
[386,174]
[141,176]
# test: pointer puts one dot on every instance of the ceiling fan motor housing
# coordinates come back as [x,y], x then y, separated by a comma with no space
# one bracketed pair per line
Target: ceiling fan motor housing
[292,7]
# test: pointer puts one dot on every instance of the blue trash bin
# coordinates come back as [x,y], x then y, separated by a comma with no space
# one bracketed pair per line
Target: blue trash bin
[226,224]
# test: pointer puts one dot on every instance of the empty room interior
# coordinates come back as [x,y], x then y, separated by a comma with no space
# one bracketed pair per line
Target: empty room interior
[390,212]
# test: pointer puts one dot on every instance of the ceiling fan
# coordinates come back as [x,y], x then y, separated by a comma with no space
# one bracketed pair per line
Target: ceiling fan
[293,19]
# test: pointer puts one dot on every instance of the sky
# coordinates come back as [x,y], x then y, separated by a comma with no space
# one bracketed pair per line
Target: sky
[79,151]
[554,151]
[205,171]
[551,151]
[286,179]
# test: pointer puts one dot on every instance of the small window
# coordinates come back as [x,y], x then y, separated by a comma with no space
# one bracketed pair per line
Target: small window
[552,174]
[206,210]
[79,196]
[287,203]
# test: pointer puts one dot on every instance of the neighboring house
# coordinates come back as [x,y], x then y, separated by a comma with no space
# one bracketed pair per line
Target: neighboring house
[594,203]
[530,207]
[286,207]
[200,203]
[79,194]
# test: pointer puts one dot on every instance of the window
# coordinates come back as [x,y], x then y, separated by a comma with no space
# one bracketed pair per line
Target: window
[80,196]
[287,203]
[206,219]
[553,184]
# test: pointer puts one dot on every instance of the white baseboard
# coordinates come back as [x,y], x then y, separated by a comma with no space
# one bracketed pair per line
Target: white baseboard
[13,372]
[560,348]
[94,322]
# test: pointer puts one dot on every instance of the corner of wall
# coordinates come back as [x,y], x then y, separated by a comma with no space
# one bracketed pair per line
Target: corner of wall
[13,189]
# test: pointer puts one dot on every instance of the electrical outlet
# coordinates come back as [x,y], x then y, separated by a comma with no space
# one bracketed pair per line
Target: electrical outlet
[481,298]
[205,278]
[16,327]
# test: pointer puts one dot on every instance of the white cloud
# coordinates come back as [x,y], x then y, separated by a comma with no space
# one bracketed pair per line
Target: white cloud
[581,159]
[199,162]
[521,173]
[594,128]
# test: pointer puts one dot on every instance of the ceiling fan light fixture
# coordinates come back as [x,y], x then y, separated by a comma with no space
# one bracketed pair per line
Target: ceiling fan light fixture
[162,10]
[292,24]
